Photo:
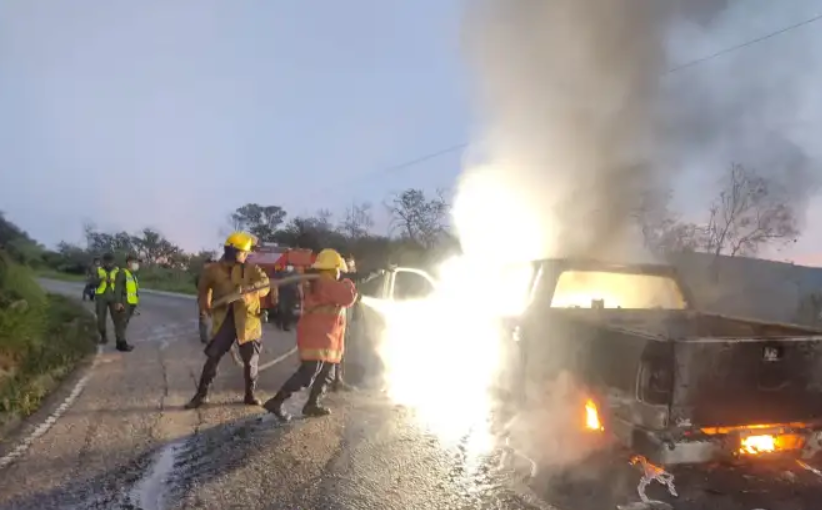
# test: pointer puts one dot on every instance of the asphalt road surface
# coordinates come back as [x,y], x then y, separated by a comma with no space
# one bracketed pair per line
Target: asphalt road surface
[125,442]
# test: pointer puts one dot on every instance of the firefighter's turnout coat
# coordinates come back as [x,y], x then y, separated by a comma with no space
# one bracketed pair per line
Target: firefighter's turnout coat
[321,329]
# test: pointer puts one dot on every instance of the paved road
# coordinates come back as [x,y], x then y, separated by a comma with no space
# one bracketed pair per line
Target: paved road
[126,443]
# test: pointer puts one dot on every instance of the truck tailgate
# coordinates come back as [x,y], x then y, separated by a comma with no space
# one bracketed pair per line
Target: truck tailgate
[741,382]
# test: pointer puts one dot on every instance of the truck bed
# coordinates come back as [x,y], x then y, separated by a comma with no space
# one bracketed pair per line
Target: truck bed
[726,371]
[685,325]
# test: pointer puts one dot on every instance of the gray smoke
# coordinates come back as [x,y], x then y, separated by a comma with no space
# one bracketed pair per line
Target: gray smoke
[568,93]
[757,106]
[579,117]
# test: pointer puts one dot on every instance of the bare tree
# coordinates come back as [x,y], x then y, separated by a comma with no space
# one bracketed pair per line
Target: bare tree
[750,213]
[663,232]
[421,220]
[358,221]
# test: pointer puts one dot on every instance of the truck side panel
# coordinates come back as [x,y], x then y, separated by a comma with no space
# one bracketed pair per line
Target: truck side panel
[741,382]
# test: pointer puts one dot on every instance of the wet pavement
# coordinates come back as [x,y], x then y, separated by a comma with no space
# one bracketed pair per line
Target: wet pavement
[126,443]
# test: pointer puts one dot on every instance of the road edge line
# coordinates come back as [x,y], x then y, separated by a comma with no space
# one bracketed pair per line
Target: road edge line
[45,425]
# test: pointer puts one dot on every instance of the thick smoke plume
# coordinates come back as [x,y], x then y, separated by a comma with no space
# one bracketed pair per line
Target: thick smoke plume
[568,93]
[580,117]
[757,105]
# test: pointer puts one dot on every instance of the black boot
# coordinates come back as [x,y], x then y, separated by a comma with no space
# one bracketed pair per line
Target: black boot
[124,346]
[339,385]
[251,399]
[312,407]
[208,375]
[275,406]
[250,378]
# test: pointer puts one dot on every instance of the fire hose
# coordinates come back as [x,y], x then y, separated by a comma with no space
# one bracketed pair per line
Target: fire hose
[236,296]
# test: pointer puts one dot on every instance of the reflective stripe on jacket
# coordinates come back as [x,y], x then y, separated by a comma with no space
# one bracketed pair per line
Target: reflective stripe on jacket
[223,278]
[321,329]
[106,280]
[132,288]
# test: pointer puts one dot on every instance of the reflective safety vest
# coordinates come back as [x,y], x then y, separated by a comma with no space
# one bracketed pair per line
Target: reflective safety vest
[132,288]
[106,279]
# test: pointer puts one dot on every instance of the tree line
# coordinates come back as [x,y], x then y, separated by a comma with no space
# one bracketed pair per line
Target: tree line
[418,231]
[750,212]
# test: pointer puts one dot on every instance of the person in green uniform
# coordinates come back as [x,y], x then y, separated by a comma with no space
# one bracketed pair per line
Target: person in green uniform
[126,299]
[105,303]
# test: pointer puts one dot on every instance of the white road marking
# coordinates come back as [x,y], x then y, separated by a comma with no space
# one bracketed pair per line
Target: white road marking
[52,419]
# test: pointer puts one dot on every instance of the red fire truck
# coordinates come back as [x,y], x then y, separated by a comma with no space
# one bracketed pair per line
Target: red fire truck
[274,260]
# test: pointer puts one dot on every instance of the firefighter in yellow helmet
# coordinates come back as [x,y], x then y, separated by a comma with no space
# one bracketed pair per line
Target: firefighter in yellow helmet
[238,321]
[320,334]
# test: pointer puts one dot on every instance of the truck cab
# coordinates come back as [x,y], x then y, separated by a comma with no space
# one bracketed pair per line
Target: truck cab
[365,324]
[672,383]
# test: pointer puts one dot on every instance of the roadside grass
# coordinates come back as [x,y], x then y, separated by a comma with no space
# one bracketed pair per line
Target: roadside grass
[153,278]
[42,339]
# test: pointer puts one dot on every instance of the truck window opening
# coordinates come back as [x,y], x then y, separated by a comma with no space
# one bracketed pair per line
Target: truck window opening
[598,289]
[409,285]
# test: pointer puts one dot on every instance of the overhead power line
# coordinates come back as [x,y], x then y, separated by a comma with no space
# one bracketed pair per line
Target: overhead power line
[743,45]
[691,63]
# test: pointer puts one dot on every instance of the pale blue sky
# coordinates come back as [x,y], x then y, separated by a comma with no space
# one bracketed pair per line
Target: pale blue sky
[193,108]
[172,113]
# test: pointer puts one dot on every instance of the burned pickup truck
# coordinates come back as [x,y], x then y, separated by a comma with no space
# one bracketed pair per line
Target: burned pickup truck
[671,383]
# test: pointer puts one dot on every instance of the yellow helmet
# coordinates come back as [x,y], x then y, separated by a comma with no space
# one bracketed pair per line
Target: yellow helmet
[242,241]
[329,259]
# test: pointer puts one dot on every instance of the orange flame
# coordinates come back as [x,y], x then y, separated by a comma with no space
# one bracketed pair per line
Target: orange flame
[754,445]
[768,443]
[592,421]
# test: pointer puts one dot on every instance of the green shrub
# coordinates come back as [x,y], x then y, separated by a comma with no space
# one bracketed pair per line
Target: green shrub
[42,337]
[22,309]
[66,338]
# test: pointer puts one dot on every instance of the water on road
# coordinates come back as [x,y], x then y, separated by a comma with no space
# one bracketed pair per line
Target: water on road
[116,437]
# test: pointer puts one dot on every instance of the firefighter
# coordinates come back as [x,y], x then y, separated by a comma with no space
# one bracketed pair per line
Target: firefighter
[126,298]
[320,335]
[106,304]
[203,317]
[238,321]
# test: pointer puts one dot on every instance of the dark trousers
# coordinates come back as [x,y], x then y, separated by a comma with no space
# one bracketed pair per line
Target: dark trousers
[285,315]
[311,373]
[219,346]
[202,325]
[105,307]
[125,317]
[338,372]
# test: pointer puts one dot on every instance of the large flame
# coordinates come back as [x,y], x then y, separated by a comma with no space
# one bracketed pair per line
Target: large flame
[442,354]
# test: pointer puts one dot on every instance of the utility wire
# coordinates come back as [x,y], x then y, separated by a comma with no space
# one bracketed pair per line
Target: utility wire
[686,65]
[742,45]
